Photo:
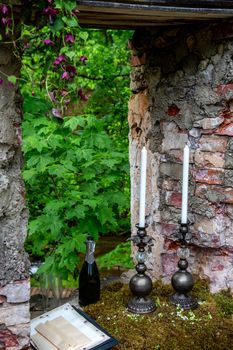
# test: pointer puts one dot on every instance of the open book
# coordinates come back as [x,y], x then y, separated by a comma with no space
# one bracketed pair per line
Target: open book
[68,328]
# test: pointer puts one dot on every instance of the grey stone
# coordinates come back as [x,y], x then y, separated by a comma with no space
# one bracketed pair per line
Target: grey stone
[16,292]
[228,178]
[202,207]
[172,170]
[13,315]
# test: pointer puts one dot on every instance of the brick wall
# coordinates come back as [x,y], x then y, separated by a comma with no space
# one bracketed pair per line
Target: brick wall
[182,85]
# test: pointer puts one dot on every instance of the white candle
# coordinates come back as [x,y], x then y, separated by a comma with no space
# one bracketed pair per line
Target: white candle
[142,204]
[184,210]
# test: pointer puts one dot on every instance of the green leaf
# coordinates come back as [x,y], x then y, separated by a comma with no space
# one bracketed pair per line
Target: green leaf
[12,79]
[57,25]
[83,35]
[74,122]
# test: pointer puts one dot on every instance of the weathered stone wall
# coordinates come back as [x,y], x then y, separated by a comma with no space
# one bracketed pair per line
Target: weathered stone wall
[14,281]
[182,84]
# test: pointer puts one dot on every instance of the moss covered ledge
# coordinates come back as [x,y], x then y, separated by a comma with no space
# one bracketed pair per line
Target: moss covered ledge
[168,328]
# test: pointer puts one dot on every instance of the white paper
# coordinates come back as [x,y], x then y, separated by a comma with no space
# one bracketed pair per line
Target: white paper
[81,323]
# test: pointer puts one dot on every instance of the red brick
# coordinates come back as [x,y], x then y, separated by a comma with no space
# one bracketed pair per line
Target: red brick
[225,129]
[174,199]
[8,338]
[138,60]
[224,88]
[168,229]
[209,176]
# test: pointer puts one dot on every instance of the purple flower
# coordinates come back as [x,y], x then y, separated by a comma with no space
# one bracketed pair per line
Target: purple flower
[64,92]
[52,96]
[69,38]
[50,11]
[82,95]
[7,21]
[83,59]
[65,75]
[56,113]
[71,70]
[48,42]
[4,9]
[26,46]
[1,81]
[59,59]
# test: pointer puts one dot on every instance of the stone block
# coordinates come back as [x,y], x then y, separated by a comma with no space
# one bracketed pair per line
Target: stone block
[17,291]
[211,232]
[209,176]
[229,160]
[215,194]
[170,185]
[7,133]
[201,206]
[213,143]
[7,153]
[172,170]
[16,314]
[228,178]
[173,140]
[209,159]
[169,263]
[209,123]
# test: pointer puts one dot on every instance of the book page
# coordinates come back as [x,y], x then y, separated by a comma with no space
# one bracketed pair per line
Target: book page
[41,342]
[85,335]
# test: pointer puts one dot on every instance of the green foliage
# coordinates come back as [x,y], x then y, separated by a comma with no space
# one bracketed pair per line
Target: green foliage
[119,256]
[76,167]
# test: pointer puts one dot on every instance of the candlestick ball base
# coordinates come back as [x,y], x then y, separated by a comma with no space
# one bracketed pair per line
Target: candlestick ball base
[141,284]
[186,302]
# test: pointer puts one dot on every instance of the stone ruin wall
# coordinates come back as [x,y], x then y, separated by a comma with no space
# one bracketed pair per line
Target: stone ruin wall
[182,85]
[14,281]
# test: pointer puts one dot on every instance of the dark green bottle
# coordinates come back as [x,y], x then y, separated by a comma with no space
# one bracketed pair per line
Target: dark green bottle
[89,279]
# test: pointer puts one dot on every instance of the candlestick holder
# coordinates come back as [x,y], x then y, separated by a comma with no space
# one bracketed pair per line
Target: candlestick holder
[182,280]
[141,284]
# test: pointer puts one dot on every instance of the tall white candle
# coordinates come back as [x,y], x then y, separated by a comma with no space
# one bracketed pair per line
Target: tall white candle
[184,210]
[142,203]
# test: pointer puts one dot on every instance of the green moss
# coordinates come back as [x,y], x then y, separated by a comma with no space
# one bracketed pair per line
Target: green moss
[209,327]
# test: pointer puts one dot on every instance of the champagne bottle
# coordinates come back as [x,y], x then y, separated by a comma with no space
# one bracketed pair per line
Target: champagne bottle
[89,279]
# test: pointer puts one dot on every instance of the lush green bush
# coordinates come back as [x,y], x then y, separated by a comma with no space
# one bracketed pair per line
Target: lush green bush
[76,164]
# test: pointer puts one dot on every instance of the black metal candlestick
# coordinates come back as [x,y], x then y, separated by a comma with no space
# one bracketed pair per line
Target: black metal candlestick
[182,280]
[140,284]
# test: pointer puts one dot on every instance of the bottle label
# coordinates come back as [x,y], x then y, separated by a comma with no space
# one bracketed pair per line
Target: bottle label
[90,252]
